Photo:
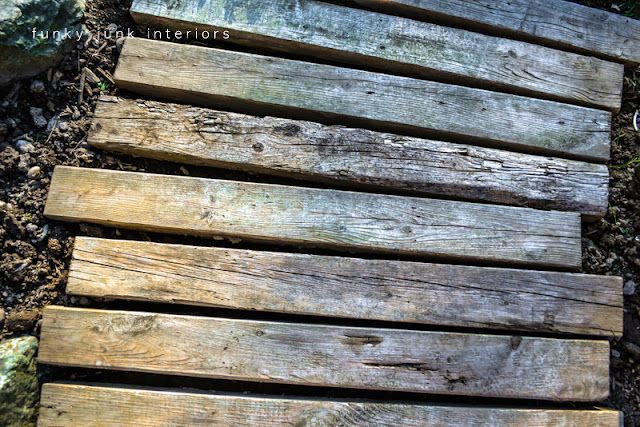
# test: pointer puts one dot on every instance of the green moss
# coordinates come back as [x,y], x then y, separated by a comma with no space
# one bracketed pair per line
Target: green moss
[18,382]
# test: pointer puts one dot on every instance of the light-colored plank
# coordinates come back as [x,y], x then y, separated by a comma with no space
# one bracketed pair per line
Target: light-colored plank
[396,45]
[333,356]
[550,22]
[347,156]
[72,405]
[265,85]
[433,294]
[316,217]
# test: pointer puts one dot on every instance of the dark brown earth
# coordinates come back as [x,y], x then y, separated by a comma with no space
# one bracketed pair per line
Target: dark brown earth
[35,252]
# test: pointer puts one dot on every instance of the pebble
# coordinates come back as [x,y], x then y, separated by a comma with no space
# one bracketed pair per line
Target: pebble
[120,43]
[32,228]
[4,128]
[63,126]
[38,117]
[24,146]
[22,320]
[37,86]
[112,28]
[629,288]
[34,172]
[615,353]
[632,349]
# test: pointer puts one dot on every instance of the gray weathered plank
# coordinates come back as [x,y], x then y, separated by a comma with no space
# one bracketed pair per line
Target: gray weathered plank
[315,217]
[265,85]
[435,294]
[354,157]
[551,22]
[396,45]
[72,405]
[332,356]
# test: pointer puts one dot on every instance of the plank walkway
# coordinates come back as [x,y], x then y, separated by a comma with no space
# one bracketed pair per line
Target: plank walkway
[278,214]
[348,156]
[75,404]
[435,294]
[265,85]
[396,45]
[556,23]
[330,356]
[519,132]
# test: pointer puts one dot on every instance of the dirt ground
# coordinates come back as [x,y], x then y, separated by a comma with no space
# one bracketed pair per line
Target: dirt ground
[35,252]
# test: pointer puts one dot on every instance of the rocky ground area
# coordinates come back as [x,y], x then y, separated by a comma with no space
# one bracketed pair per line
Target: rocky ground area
[44,122]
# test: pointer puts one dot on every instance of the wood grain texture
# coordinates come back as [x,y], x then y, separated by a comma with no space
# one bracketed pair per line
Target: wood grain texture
[434,294]
[551,22]
[349,156]
[257,84]
[315,217]
[332,356]
[396,45]
[71,405]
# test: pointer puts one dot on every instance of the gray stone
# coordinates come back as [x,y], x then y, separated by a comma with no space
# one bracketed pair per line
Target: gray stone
[24,146]
[18,382]
[633,350]
[38,118]
[24,55]
[629,288]
[37,86]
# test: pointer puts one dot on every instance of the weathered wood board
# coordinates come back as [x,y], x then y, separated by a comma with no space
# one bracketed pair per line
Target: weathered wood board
[316,217]
[396,45]
[435,294]
[71,405]
[332,356]
[257,84]
[551,22]
[349,156]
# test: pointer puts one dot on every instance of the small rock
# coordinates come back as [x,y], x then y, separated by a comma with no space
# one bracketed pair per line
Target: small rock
[18,381]
[21,320]
[54,246]
[112,28]
[63,126]
[25,146]
[84,301]
[120,43]
[38,118]
[629,288]
[32,228]
[4,128]
[615,353]
[34,172]
[52,123]
[633,350]
[37,86]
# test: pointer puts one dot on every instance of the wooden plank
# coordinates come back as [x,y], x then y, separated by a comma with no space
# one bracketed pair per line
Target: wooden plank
[75,404]
[332,356]
[550,22]
[435,294]
[257,84]
[396,45]
[314,217]
[354,157]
